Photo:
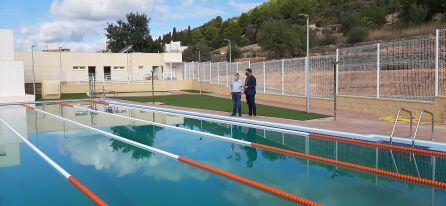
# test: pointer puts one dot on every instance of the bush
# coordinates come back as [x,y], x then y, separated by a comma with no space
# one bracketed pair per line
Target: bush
[357,34]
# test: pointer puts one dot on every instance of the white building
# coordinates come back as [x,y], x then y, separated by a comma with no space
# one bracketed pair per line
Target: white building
[12,87]
[78,66]
[174,46]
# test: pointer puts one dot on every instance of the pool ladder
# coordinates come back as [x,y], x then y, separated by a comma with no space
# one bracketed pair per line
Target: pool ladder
[413,137]
[414,134]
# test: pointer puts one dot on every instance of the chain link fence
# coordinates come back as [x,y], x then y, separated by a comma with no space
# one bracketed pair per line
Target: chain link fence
[412,68]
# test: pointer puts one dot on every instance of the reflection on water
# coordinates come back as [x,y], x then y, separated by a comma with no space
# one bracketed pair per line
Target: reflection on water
[141,134]
[9,142]
[119,165]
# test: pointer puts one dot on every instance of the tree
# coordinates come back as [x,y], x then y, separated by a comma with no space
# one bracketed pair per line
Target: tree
[132,31]
[188,37]
[235,52]
[167,38]
[174,34]
[200,48]
[280,39]
[414,14]
[357,34]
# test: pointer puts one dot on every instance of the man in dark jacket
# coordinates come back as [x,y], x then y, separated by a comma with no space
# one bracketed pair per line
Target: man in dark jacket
[250,92]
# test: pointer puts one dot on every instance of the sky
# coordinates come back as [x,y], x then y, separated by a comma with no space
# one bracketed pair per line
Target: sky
[79,24]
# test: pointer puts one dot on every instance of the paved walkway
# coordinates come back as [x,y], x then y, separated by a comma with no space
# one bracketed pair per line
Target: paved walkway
[345,121]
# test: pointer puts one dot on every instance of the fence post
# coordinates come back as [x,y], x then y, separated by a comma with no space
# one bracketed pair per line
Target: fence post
[210,72]
[437,51]
[337,72]
[283,74]
[198,72]
[184,71]
[227,75]
[378,68]
[171,72]
[218,73]
[236,66]
[249,64]
[264,77]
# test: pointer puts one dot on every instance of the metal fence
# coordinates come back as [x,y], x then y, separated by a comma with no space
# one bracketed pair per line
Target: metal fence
[412,68]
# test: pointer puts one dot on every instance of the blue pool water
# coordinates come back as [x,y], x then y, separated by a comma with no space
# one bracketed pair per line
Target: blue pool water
[122,174]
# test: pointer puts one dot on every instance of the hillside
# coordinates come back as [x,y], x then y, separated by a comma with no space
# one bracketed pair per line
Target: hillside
[278,28]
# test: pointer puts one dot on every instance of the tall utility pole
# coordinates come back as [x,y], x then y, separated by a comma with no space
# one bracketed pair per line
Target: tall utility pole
[307,69]
[230,50]
[34,73]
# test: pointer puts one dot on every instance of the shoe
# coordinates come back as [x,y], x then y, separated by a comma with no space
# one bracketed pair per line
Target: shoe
[232,115]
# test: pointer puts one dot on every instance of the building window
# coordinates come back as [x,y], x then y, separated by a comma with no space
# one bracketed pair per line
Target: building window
[118,68]
[141,67]
[78,67]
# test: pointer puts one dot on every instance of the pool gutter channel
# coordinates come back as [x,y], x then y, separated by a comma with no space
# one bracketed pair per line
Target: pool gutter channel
[282,151]
[82,188]
[185,160]
[304,131]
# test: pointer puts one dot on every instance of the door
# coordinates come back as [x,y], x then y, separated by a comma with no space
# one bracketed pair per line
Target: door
[107,73]
[91,71]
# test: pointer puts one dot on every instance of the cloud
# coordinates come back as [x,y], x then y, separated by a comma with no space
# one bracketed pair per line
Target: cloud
[105,10]
[58,31]
[243,7]
[79,24]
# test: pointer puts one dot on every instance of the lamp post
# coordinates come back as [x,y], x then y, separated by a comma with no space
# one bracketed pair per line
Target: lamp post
[34,73]
[230,50]
[335,93]
[307,69]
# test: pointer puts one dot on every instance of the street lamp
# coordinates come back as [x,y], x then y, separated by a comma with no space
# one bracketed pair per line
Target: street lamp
[230,50]
[34,73]
[307,69]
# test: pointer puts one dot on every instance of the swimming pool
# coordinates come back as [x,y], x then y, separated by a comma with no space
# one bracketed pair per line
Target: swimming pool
[128,155]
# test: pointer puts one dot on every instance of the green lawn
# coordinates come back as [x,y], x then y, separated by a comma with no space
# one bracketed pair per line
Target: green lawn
[74,96]
[222,104]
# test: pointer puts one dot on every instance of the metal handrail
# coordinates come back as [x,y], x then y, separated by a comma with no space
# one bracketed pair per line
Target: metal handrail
[418,125]
[396,122]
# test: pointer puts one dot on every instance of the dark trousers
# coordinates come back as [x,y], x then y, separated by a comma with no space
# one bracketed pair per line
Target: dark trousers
[251,100]
[236,103]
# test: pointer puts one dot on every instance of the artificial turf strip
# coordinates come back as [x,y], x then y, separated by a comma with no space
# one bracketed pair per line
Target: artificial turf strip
[194,91]
[225,105]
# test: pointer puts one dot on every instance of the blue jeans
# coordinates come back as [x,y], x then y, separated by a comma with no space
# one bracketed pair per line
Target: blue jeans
[236,103]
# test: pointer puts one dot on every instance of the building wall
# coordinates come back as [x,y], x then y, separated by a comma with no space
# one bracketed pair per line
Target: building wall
[59,66]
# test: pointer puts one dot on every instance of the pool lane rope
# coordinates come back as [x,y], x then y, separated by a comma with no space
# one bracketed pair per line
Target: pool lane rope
[311,134]
[380,145]
[285,151]
[76,183]
[260,186]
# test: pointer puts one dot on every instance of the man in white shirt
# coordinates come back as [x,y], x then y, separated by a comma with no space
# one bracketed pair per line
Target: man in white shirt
[236,88]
